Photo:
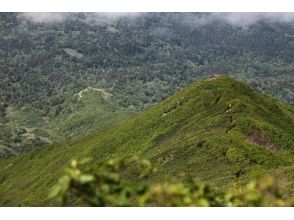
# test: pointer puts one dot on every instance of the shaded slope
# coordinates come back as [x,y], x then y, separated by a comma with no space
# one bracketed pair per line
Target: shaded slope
[201,131]
[25,128]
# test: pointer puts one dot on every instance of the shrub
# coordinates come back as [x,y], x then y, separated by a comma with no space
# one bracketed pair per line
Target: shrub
[234,155]
[107,188]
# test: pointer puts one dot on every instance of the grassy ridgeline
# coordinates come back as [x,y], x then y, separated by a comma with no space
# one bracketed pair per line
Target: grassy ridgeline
[140,61]
[219,130]
[26,128]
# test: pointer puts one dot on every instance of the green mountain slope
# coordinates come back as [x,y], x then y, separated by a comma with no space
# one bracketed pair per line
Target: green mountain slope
[90,110]
[141,60]
[219,130]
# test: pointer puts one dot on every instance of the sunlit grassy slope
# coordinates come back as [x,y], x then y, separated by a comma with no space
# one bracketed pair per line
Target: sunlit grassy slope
[220,131]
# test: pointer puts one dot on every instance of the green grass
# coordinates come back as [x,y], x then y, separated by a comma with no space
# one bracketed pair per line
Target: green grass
[199,131]
[94,111]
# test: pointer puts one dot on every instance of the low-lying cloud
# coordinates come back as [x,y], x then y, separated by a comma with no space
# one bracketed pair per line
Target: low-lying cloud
[235,18]
[247,19]
[41,17]
[56,17]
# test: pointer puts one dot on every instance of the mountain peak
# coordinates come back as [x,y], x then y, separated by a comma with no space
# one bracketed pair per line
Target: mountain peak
[217,129]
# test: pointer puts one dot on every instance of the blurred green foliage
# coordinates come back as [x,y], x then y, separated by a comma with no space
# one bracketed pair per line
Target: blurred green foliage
[106,187]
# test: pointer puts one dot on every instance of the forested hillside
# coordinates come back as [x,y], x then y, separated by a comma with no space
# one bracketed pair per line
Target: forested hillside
[124,64]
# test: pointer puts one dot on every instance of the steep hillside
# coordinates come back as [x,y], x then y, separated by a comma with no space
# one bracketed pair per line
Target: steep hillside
[140,59]
[219,130]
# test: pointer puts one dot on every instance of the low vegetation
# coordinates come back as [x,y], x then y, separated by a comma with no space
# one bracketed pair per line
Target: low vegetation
[140,61]
[106,187]
[201,131]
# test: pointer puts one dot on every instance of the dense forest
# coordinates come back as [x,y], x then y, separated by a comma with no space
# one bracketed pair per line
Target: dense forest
[125,64]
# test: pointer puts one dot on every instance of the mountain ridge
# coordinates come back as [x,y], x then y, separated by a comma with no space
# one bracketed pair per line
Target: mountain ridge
[205,130]
[140,61]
